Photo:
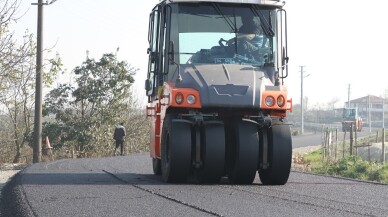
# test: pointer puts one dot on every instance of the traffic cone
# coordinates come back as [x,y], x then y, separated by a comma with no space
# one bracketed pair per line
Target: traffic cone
[47,146]
[47,150]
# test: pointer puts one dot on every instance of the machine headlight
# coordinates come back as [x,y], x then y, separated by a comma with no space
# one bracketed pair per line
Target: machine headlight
[191,99]
[269,101]
[179,98]
[281,101]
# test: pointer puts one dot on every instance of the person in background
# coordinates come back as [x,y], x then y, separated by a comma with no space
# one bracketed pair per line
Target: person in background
[119,135]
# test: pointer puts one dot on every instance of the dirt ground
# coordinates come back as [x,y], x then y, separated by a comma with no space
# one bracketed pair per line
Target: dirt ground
[297,155]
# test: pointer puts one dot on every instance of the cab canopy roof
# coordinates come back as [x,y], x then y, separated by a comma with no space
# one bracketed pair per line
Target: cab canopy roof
[256,2]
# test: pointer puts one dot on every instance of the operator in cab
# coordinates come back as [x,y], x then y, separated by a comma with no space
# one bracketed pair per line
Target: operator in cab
[247,36]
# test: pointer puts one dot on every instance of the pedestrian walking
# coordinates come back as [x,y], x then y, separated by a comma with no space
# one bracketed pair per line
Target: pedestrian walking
[119,135]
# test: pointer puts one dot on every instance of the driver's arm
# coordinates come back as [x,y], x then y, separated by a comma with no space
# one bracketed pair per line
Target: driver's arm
[247,37]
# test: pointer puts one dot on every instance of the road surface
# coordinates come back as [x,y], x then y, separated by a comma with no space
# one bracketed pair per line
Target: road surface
[125,186]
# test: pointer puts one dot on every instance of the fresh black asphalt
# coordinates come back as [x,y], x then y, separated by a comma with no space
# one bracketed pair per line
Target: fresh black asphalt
[125,186]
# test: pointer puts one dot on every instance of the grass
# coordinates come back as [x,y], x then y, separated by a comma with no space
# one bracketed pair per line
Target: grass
[351,167]
[314,159]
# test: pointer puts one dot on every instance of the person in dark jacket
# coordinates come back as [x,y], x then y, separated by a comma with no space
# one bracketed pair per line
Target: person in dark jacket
[246,34]
[119,135]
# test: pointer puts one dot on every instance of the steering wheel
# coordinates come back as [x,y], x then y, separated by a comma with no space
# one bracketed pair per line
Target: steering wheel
[227,47]
[220,42]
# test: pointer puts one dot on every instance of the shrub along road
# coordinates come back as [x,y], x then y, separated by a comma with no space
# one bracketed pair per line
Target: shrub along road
[125,186]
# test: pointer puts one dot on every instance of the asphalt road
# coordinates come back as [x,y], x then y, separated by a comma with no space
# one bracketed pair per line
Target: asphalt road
[125,186]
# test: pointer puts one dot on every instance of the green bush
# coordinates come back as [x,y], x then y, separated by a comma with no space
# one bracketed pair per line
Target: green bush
[351,167]
[314,158]
[381,174]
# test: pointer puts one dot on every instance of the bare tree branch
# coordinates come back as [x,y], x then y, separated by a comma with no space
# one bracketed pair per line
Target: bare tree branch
[8,12]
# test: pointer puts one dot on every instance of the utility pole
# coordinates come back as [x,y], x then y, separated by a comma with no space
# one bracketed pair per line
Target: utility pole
[301,97]
[37,149]
[383,111]
[369,114]
[349,96]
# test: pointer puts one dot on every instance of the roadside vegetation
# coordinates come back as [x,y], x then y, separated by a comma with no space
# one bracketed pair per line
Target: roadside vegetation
[350,167]
[357,158]
[79,115]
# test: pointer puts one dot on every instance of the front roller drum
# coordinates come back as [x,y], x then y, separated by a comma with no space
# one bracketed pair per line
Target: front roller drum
[176,150]
[243,149]
[212,153]
[279,155]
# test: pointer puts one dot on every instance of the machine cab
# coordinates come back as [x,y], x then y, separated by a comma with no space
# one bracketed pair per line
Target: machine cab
[202,36]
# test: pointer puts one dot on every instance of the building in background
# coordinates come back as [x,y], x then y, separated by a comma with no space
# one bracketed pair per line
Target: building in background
[371,107]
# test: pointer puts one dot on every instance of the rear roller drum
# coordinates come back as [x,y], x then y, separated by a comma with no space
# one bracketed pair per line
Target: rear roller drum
[176,149]
[243,149]
[212,153]
[279,155]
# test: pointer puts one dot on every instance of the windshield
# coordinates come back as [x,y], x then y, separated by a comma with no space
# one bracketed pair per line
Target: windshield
[213,33]
[349,113]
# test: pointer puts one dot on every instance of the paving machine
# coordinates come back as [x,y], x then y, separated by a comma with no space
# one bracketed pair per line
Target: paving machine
[217,102]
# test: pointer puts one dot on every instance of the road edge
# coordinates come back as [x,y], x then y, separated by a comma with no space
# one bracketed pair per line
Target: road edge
[13,200]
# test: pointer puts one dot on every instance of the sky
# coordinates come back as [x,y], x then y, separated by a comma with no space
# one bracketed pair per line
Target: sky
[338,42]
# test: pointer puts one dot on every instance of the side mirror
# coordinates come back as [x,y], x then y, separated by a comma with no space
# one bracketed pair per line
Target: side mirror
[148,85]
[284,57]
[284,62]
[153,57]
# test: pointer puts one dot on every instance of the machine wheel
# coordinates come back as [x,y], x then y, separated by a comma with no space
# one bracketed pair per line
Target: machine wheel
[176,149]
[157,166]
[279,155]
[212,153]
[243,152]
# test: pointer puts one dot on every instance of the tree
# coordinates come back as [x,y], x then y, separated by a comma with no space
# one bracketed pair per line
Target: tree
[84,112]
[17,79]
[8,60]
[7,42]
[16,95]
[331,105]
